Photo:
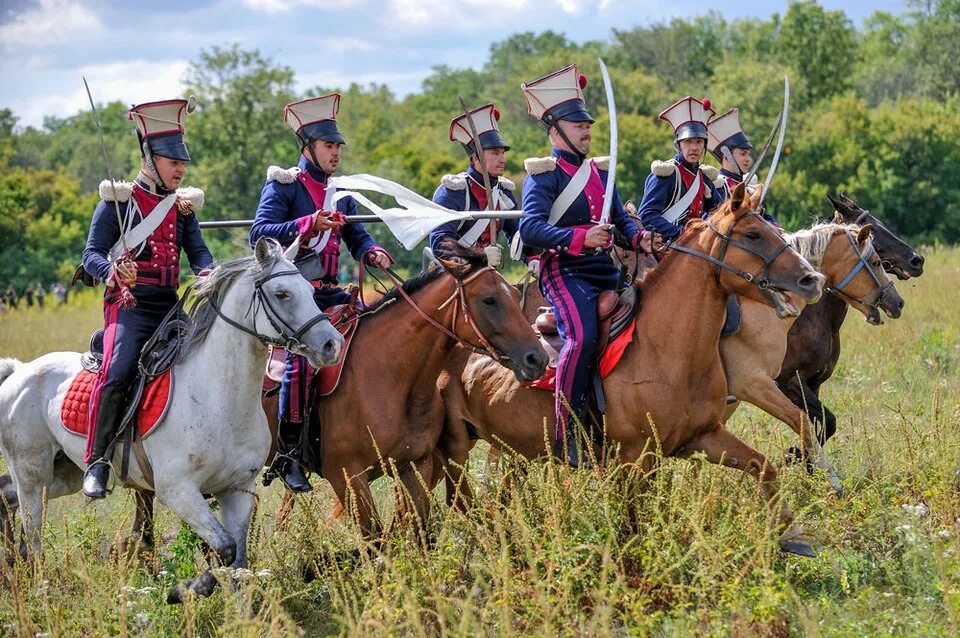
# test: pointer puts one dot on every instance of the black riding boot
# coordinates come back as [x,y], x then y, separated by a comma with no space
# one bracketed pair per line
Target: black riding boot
[567,449]
[105,429]
[288,462]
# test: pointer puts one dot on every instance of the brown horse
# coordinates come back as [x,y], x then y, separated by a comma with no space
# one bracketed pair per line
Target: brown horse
[386,415]
[669,390]
[752,358]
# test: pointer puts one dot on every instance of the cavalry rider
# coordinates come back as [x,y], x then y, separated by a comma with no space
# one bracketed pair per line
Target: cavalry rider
[732,148]
[563,200]
[466,191]
[298,204]
[142,271]
[680,189]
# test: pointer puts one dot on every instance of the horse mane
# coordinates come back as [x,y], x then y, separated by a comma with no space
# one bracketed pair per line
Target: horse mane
[208,292]
[812,242]
[451,251]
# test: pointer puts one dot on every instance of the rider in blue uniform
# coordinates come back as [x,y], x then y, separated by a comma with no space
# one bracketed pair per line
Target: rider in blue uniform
[732,148]
[298,204]
[141,281]
[563,200]
[666,205]
[465,191]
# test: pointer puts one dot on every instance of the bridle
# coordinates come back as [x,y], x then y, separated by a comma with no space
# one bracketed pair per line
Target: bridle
[763,280]
[459,300]
[289,337]
[880,291]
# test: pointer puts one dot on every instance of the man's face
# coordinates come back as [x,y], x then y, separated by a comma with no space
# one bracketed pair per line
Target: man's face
[692,149]
[743,158]
[577,132]
[327,154]
[495,159]
[170,171]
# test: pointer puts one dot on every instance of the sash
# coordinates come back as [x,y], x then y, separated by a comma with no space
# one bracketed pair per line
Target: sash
[138,234]
[570,193]
[501,203]
[676,211]
[318,243]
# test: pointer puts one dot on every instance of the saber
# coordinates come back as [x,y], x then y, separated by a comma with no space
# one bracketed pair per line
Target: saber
[479,150]
[106,160]
[766,147]
[783,134]
[612,172]
[357,219]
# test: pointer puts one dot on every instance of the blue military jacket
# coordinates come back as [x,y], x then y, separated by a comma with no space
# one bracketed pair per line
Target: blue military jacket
[285,212]
[729,181]
[664,186]
[455,191]
[158,257]
[547,177]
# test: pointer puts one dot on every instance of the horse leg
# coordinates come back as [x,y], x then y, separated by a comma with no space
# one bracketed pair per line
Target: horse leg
[355,490]
[236,507]
[416,479]
[765,394]
[141,537]
[8,513]
[452,457]
[724,448]
[187,502]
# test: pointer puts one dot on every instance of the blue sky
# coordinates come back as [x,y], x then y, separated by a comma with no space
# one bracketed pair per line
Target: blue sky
[136,52]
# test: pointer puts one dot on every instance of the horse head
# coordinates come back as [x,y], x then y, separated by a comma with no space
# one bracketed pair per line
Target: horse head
[851,262]
[491,313]
[897,257]
[289,314]
[757,263]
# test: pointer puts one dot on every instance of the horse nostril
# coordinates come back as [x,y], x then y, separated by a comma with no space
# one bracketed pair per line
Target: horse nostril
[534,359]
[808,281]
[330,350]
[916,261]
[901,304]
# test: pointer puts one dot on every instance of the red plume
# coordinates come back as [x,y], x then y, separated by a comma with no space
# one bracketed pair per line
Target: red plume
[706,104]
[496,114]
[583,81]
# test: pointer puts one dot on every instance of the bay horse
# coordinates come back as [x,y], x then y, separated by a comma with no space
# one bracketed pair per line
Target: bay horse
[752,358]
[214,437]
[386,415]
[813,344]
[668,392]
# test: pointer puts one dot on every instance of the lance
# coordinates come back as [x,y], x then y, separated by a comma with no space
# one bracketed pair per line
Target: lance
[783,132]
[106,161]
[360,219]
[479,150]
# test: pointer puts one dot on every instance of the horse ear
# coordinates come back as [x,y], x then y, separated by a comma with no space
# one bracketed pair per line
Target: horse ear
[864,233]
[456,266]
[291,252]
[736,198]
[756,197]
[837,217]
[263,249]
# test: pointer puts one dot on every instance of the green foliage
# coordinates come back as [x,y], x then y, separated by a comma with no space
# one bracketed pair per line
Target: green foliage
[875,112]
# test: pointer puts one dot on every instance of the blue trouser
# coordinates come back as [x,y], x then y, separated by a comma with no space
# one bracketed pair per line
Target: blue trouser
[295,385]
[572,285]
[125,332]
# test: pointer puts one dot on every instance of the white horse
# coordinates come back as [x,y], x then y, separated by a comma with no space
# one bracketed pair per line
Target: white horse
[214,438]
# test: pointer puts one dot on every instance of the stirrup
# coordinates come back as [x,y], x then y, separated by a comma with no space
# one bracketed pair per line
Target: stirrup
[104,487]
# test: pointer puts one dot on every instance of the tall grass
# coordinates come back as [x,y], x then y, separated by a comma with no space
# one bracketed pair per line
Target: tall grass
[549,552]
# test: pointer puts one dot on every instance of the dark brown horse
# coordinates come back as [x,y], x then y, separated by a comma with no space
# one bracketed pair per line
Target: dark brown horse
[813,344]
[669,390]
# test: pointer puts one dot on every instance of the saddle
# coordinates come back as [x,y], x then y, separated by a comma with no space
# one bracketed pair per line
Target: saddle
[616,313]
[345,319]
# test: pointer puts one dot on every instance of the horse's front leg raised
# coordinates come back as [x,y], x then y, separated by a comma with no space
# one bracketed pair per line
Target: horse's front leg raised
[724,448]
[187,502]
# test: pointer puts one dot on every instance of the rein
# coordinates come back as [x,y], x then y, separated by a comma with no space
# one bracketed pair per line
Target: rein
[881,290]
[289,338]
[459,299]
[763,281]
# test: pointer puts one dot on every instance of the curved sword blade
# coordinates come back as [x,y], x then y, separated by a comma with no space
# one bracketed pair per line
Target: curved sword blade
[612,172]
[783,133]
[766,147]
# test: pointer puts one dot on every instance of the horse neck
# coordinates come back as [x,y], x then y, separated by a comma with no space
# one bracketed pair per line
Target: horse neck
[401,335]
[684,305]
[228,355]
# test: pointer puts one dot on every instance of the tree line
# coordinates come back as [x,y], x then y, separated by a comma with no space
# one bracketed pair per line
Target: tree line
[875,112]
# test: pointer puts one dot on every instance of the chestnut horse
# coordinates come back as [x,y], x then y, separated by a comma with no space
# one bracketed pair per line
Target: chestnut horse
[386,415]
[668,391]
[752,358]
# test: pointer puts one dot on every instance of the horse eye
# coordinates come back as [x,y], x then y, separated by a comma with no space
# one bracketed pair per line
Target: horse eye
[282,295]
[753,235]
[489,301]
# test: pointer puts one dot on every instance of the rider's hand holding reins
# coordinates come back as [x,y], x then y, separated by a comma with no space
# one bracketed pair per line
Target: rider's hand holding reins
[598,236]
[379,259]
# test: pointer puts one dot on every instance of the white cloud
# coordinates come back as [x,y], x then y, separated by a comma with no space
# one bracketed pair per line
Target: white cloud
[53,21]
[282,6]
[446,13]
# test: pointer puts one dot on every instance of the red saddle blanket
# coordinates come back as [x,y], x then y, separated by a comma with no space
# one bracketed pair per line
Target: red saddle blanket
[609,359]
[325,380]
[153,404]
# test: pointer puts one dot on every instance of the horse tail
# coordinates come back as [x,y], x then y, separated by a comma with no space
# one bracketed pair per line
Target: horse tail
[8,367]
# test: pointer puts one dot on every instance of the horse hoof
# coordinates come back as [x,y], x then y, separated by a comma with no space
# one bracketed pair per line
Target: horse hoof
[798,547]
[174,596]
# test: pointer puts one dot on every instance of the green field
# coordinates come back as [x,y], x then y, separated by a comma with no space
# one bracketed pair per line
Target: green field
[548,556]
